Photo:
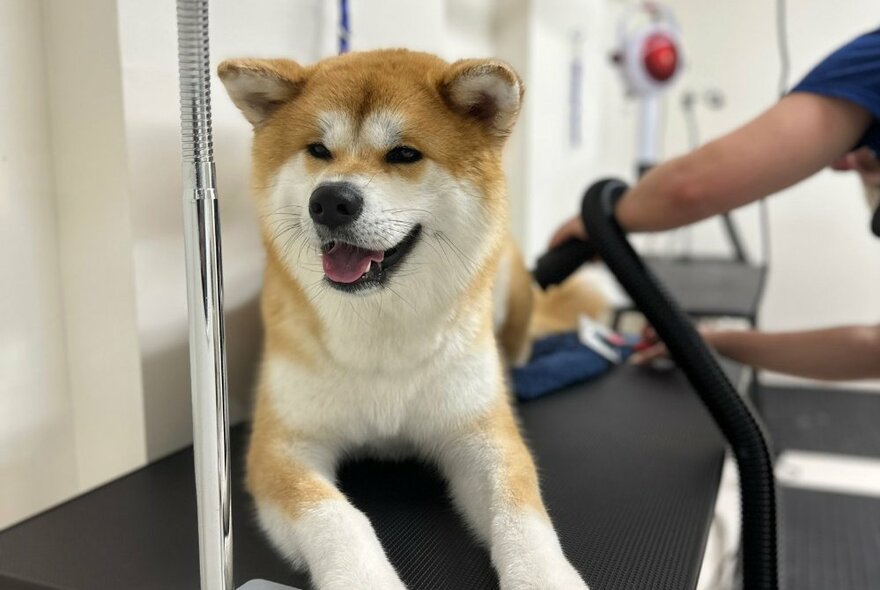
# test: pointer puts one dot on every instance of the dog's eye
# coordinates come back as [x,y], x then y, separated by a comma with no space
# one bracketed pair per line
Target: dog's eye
[320,151]
[403,155]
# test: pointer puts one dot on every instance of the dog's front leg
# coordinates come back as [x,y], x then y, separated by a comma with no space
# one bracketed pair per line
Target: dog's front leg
[494,483]
[309,520]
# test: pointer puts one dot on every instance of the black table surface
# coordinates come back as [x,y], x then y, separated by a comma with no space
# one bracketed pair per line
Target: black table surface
[630,467]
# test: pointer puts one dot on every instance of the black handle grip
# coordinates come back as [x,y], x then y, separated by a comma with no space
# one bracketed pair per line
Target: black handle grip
[556,265]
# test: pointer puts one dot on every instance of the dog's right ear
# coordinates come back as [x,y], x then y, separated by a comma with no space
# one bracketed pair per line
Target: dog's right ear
[259,86]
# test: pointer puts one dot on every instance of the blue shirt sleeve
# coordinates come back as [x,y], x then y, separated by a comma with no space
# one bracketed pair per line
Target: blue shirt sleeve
[852,73]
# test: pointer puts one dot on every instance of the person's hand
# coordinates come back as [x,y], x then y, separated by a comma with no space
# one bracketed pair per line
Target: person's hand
[862,161]
[573,228]
[649,348]
[652,348]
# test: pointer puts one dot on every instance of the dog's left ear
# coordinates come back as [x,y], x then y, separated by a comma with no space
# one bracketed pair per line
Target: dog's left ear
[485,89]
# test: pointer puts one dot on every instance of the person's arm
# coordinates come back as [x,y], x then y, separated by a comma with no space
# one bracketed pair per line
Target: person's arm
[791,141]
[851,352]
[794,139]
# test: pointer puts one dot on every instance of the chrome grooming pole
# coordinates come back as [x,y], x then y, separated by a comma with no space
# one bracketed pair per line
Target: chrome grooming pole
[204,274]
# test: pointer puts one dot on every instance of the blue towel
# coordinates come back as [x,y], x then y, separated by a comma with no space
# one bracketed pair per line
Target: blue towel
[558,361]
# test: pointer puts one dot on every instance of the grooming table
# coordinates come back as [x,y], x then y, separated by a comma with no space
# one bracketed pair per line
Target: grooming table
[709,287]
[629,464]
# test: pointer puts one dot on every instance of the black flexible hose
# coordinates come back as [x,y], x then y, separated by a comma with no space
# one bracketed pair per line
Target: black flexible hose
[731,412]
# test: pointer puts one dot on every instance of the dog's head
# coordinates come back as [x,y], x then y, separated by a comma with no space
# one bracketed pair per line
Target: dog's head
[380,171]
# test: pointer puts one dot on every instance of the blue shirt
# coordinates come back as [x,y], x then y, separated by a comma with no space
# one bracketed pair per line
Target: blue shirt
[852,73]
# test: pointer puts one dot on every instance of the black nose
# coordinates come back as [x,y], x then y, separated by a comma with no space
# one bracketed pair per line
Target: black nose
[334,204]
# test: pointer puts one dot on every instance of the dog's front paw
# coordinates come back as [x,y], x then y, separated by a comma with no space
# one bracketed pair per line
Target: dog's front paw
[528,556]
[337,544]
[362,571]
[368,574]
[362,581]
[557,576]
[563,577]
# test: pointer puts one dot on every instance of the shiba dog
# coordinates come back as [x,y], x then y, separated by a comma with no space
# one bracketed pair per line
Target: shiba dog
[393,299]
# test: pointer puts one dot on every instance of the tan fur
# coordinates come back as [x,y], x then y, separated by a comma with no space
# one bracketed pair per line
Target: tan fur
[519,475]
[558,308]
[276,476]
[289,320]
[514,337]
[458,142]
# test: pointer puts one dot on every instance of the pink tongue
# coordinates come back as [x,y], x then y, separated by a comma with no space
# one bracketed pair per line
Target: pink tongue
[344,263]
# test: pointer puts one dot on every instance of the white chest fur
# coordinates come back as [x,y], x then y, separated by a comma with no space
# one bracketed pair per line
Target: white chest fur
[412,401]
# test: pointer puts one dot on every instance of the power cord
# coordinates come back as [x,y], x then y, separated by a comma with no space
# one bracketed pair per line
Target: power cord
[344,27]
[782,89]
[782,45]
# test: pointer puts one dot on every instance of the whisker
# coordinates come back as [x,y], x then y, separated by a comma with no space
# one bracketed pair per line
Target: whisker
[399,296]
[369,181]
[319,287]
[355,311]
[442,249]
[471,265]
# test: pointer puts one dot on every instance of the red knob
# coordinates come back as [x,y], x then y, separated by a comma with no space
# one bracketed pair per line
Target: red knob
[660,56]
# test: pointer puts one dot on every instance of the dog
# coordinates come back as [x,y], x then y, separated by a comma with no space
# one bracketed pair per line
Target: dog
[393,300]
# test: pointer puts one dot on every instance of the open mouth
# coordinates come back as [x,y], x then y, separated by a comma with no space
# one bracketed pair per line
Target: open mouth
[352,268]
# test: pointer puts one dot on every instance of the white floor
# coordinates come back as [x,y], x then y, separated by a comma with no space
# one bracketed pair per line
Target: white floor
[844,474]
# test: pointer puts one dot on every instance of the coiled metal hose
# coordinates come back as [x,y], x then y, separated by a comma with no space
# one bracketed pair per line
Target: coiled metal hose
[194,65]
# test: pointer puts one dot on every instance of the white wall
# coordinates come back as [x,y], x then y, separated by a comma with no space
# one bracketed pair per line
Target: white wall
[470,28]
[546,172]
[94,237]
[396,23]
[70,394]
[557,170]
[37,436]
